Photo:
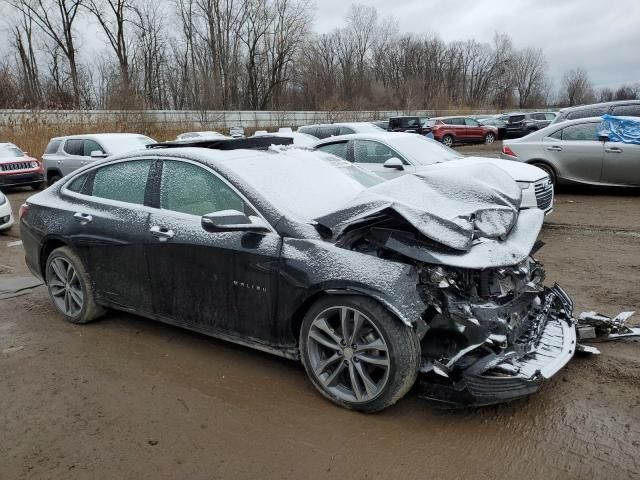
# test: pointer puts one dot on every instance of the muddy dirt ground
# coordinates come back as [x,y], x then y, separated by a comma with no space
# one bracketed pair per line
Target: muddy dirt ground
[129,398]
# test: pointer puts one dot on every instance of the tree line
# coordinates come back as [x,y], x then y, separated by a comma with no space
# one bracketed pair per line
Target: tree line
[261,55]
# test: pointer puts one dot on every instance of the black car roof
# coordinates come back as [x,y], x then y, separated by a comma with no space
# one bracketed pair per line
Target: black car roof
[262,142]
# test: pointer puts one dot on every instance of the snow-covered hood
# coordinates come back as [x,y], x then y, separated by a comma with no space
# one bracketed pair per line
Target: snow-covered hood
[520,172]
[454,207]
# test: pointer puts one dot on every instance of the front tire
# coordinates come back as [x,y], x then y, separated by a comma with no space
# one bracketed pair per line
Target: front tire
[357,354]
[448,140]
[70,288]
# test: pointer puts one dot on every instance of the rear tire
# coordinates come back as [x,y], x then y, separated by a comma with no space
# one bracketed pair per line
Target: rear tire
[70,288]
[53,178]
[489,138]
[448,140]
[367,369]
[549,170]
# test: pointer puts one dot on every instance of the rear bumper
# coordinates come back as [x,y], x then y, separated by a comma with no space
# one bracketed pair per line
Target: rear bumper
[520,370]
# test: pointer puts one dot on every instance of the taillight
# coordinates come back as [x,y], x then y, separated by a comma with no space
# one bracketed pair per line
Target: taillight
[22,211]
[507,151]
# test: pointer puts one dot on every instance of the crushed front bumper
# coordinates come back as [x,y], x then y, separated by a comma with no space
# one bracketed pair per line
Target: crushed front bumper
[520,370]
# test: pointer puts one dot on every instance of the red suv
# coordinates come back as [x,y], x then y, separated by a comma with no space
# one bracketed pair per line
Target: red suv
[450,130]
[17,168]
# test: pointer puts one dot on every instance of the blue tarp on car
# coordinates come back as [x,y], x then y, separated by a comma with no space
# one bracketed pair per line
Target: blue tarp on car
[620,129]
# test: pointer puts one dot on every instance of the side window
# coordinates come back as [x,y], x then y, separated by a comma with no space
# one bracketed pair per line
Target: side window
[345,131]
[368,151]
[627,110]
[557,135]
[326,131]
[124,181]
[338,149]
[549,116]
[308,131]
[188,188]
[537,116]
[53,146]
[394,123]
[74,147]
[470,122]
[516,118]
[587,112]
[77,184]
[90,146]
[583,131]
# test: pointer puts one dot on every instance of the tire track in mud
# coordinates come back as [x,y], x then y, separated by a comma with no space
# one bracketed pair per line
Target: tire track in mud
[592,229]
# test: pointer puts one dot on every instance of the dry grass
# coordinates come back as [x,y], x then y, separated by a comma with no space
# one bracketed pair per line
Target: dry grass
[34,135]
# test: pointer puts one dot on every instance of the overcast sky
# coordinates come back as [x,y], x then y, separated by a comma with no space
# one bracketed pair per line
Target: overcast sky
[601,36]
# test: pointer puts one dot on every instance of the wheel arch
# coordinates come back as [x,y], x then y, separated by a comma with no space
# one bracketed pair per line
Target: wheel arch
[52,171]
[49,244]
[325,291]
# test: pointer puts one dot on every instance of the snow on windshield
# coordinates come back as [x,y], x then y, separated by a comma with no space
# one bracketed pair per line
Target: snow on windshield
[423,150]
[9,151]
[303,183]
[126,143]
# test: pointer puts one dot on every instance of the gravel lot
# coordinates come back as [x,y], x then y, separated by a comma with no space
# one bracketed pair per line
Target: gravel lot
[129,398]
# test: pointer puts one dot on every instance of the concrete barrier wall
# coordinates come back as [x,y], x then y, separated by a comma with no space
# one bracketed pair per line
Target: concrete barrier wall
[210,118]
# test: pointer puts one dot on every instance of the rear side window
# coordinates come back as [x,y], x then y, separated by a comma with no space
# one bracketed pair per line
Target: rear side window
[188,188]
[338,149]
[627,110]
[124,181]
[91,146]
[326,131]
[549,116]
[309,131]
[53,146]
[470,122]
[587,112]
[368,151]
[77,184]
[516,118]
[74,147]
[557,135]
[584,131]
[345,131]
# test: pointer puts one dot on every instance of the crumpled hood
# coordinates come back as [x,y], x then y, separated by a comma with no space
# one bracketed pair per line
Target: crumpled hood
[452,206]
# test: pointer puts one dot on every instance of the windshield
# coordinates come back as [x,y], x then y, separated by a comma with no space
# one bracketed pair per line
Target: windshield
[303,183]
[7,151]
[127,143]
[423,150]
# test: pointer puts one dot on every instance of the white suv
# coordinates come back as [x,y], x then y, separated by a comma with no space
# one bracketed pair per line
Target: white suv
[66,154]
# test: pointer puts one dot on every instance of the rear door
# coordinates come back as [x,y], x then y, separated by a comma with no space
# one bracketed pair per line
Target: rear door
[73,157]
[458,127]
[371,155]
[109,221]
[220,283]
[577,152]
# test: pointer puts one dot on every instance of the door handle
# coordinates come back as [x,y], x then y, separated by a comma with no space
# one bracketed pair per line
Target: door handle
[83,218]
[613,150]
[161,233]
[554,148]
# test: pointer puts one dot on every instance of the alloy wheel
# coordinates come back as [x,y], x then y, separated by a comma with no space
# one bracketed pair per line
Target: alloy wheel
[348,355]
[65,287]
[448,141]
[489,139]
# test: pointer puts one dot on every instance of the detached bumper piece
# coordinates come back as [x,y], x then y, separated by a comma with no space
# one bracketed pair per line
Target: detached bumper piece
[594,327]
[540,352]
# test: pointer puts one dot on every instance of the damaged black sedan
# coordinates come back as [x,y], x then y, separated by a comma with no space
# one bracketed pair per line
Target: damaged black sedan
[370,284]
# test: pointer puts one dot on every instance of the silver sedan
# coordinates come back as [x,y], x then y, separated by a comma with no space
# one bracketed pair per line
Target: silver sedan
[572,152]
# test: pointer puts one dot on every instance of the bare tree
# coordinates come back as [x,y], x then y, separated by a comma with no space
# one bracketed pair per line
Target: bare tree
[56,19]
[113,17]
[577,87]
[529,66]
[22,40]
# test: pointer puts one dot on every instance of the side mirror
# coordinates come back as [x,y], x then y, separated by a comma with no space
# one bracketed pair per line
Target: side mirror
[98,154]
[232,221]
[394,162]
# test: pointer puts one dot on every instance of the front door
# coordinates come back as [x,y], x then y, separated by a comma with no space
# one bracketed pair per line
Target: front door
[211,282]
[621,163]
